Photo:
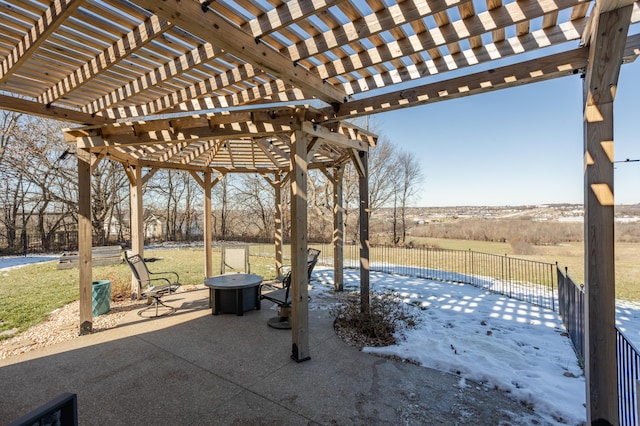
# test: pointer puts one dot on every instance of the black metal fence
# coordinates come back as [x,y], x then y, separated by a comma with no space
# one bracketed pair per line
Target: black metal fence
[30,243]
[628,376]
[571,309]
[525,280]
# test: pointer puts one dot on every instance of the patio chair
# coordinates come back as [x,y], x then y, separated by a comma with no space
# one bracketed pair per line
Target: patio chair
[234,259]
[281,296]
[312,259]
[148,288]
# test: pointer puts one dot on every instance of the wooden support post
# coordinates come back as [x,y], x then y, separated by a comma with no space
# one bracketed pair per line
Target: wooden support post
[364,230]
[207,184]
[338,230]
[600,334]
[137,224]
[277,189]
[277,183]
[208,226]
[299,291]
[608,36]
[85,241]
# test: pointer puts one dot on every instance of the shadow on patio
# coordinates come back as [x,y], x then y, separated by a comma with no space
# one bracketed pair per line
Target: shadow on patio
[194,368]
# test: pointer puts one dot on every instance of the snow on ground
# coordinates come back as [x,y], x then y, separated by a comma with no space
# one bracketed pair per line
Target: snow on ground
[484,337]
[9,262]
[487,338]
[628,320]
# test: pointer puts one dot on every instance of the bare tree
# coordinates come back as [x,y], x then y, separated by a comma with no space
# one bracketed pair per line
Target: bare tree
[221,193]
[106,182]
[9,123]
[254,196]
[31,171]
[175,194]
[319,201]
[382,177]
[410,175]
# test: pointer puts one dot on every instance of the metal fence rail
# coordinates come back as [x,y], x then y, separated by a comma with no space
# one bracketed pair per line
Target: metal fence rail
[571,309]
[628,375]
[526,280]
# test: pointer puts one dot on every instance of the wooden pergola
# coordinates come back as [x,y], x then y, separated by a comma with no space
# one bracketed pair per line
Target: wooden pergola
[281,144]
[266,86]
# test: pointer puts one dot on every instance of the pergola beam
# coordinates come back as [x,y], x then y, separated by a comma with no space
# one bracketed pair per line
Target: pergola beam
[51,19]
[273,91]
[213,28]
[386,19]
[540,69]
[474,26]
[196,95]
[500,49]
[405,12]
[222,131]
[50,111]
[333,138]
[264,146]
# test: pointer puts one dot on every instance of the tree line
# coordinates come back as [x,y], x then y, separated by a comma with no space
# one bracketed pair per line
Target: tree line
[38,174]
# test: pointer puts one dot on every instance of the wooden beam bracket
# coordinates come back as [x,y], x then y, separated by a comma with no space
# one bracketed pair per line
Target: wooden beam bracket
[205,5]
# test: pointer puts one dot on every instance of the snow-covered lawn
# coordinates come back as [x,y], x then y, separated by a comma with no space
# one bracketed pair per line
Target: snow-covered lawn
[487,338]
[8,262]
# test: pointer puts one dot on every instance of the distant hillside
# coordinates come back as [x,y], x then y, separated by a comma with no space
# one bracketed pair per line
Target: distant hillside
[537,225]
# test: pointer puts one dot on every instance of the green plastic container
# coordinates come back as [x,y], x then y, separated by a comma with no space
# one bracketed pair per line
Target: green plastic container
[101,297]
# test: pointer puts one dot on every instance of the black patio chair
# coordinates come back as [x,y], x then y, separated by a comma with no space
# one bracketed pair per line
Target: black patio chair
[147,286]
[281,295]
[312,259]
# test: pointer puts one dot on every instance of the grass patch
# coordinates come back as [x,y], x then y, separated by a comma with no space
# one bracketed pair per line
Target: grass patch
[30,293]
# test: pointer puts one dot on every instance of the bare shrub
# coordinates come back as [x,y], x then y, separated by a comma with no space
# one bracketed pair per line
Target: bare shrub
[520,246]
[628,232]
[378,327]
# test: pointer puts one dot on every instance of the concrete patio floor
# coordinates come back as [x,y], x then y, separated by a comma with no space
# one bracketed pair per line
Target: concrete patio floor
[193,368]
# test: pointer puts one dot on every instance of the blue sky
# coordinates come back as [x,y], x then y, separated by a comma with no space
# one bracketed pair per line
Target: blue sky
[514,147]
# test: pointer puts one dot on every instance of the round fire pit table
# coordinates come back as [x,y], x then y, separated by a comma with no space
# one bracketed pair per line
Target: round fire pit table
[234,293]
